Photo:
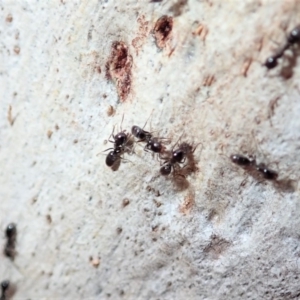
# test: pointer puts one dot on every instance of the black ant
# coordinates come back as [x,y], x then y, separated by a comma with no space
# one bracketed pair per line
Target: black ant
[251,165]
[4,288]
[11,233]
[179,156]
[292,39]
[114,157]
[121,138]
[152,143]
[122,143]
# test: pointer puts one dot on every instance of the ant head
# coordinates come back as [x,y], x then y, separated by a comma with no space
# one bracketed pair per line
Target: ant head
[294,36]
[267,173]
[11,230]
[120,139]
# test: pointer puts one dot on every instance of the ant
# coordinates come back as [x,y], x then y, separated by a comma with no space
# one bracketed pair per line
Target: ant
[121,138]
[11,233]
[152,143]
[4,288]
[250,164]
[292,39]
[179,156]
[122,143]
[113,158]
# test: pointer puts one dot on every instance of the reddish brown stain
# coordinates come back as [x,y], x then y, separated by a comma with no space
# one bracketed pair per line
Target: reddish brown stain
[118,68]
[9,18]
[209,80]
[162,31]
[246,67]
[201,31]
[188,204]
[142,34]
[17,50]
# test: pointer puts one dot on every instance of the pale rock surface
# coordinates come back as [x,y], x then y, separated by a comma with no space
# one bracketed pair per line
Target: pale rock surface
[86,232]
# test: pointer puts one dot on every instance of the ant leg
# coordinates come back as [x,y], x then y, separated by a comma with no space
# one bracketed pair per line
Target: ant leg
[105,150]
[112,135]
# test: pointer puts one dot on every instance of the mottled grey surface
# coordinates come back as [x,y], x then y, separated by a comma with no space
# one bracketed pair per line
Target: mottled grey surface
[229,235]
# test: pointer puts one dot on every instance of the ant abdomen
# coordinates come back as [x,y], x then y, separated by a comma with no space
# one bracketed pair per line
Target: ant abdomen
[166,169]
[113,157]
[267,173]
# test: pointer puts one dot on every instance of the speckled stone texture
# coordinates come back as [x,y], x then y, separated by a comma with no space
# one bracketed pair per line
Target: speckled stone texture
[70,71]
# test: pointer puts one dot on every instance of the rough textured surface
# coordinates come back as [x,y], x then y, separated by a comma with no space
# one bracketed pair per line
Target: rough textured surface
[85,232]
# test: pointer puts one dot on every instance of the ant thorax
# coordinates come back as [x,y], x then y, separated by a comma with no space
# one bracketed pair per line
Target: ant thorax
[293,39]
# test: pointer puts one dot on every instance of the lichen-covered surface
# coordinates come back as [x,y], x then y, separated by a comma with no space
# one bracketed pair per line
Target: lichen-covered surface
[70,71]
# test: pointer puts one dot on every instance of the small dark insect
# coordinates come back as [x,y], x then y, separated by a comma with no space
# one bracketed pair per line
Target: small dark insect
[120,139]
[178,156]
[122,142]
[292,39]
[4,288]
[152,143]
[11,234]
[267,173]
[242,161]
